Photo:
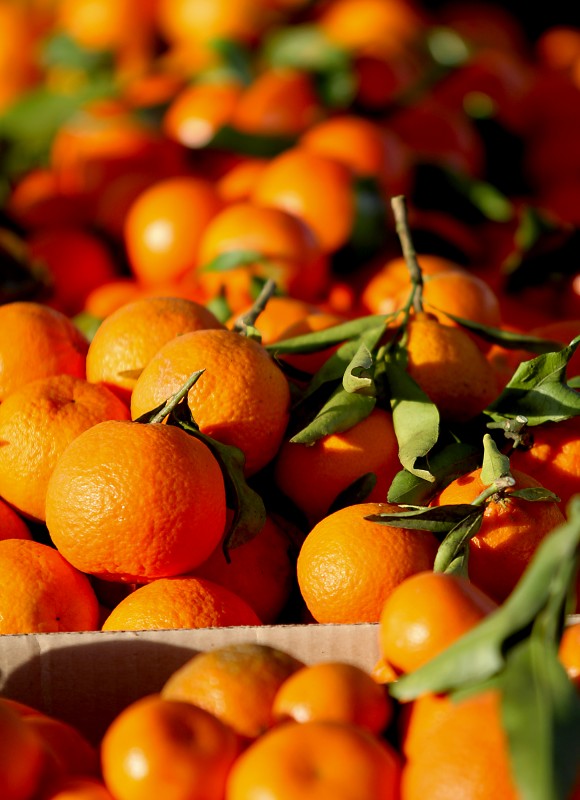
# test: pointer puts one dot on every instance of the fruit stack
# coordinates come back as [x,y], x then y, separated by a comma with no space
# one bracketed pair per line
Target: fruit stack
[289,319]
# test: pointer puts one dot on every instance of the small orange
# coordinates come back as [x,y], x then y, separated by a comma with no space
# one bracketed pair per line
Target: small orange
[242,398]
[348,565]
[41,592]
[12,525]
[316,759]
[164,225]
[22,756]
[182,602]
[237,183]
[426,613]
[37,341]
[68,751]
[334,691]
[132,502]
[195,23]
[157,747]
[511,530]
[569,651]
[260,571]
[78,788]
[104,299]
[313,476]
[37,422]
[237,682]
[130,336]
[200,110]
[316,188]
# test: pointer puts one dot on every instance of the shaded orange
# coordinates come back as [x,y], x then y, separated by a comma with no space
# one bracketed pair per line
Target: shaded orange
[131,502]
[558,47]
[237,682]
[237,182]
[348,565]
[164,226]
[462,745]
[129,337]
[12,525]
[37,199]
[68,752]
[21,756]
[316,759]
[289,254]
[511,530]
[242,398]
[313,476]
[318,189]
[37,341]
[334,691]
[425,613]
[37,422]
[569,651]
[41,592]
[157,747]
[260,571]
[78,788]
[181,602]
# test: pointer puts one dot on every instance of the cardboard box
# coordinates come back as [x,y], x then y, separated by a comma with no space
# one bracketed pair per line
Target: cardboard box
[87,678]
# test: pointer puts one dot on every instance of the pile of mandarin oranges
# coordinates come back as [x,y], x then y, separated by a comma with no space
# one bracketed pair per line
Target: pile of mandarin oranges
[289,313]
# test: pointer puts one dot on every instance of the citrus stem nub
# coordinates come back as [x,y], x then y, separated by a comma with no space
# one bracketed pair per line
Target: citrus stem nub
[245,323]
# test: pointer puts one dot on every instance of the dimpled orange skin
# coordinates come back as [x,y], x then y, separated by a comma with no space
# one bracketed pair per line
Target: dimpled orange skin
[242,398]
[132,502]
[40,592]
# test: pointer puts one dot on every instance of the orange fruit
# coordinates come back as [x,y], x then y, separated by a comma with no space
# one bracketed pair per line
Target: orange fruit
[37,422]
[182,602]
[459,744]
[316,188]
[165,748]
[425,613]
[41,592]
[313,476]
[242,398]
[450,368]
[237,682]
[316,759]
[68,751]
[78,788]
[200,110]
[131,502]
[129,337]
[78,261]
[260,571]
[21,756]
[558,47]
[164,225]
[280,101]
[37,199]
[334,691]
[511,530]
[553,457]
[110,296]
[569,651]
[12,525]
[194,23]
[348,565]
[237,183]
[317,320]
[287,248]
[37,341]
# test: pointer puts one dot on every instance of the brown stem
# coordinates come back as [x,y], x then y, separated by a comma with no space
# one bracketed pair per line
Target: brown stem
[246,321]
[399,206]
[177,397]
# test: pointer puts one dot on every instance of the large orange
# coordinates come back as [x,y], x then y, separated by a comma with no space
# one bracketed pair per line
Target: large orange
[182,602]
[316,188]
[37,422]
[22,756]
[348,565]
[316,759]
[287,251]
[511,530]
[313,476]
[130,336]
[41,592]
[242,398]
[164,225]
[164,748]
[37,341]
[132,502]
[334,691]
[237,682]
[426,613]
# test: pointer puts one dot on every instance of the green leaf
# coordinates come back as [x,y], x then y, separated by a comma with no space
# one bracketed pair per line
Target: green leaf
[320,340]
[480,653]
[541,716]
[232,260]
[438,519]
[538,390]
[258,145]
[358,376]
[235,57]
[87,324]
[535,494]
[370,226]
[415,419]
[60,50]
[304,47]
[341,412]
[449,463]
[453,552]
[485,197]
[495,464]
